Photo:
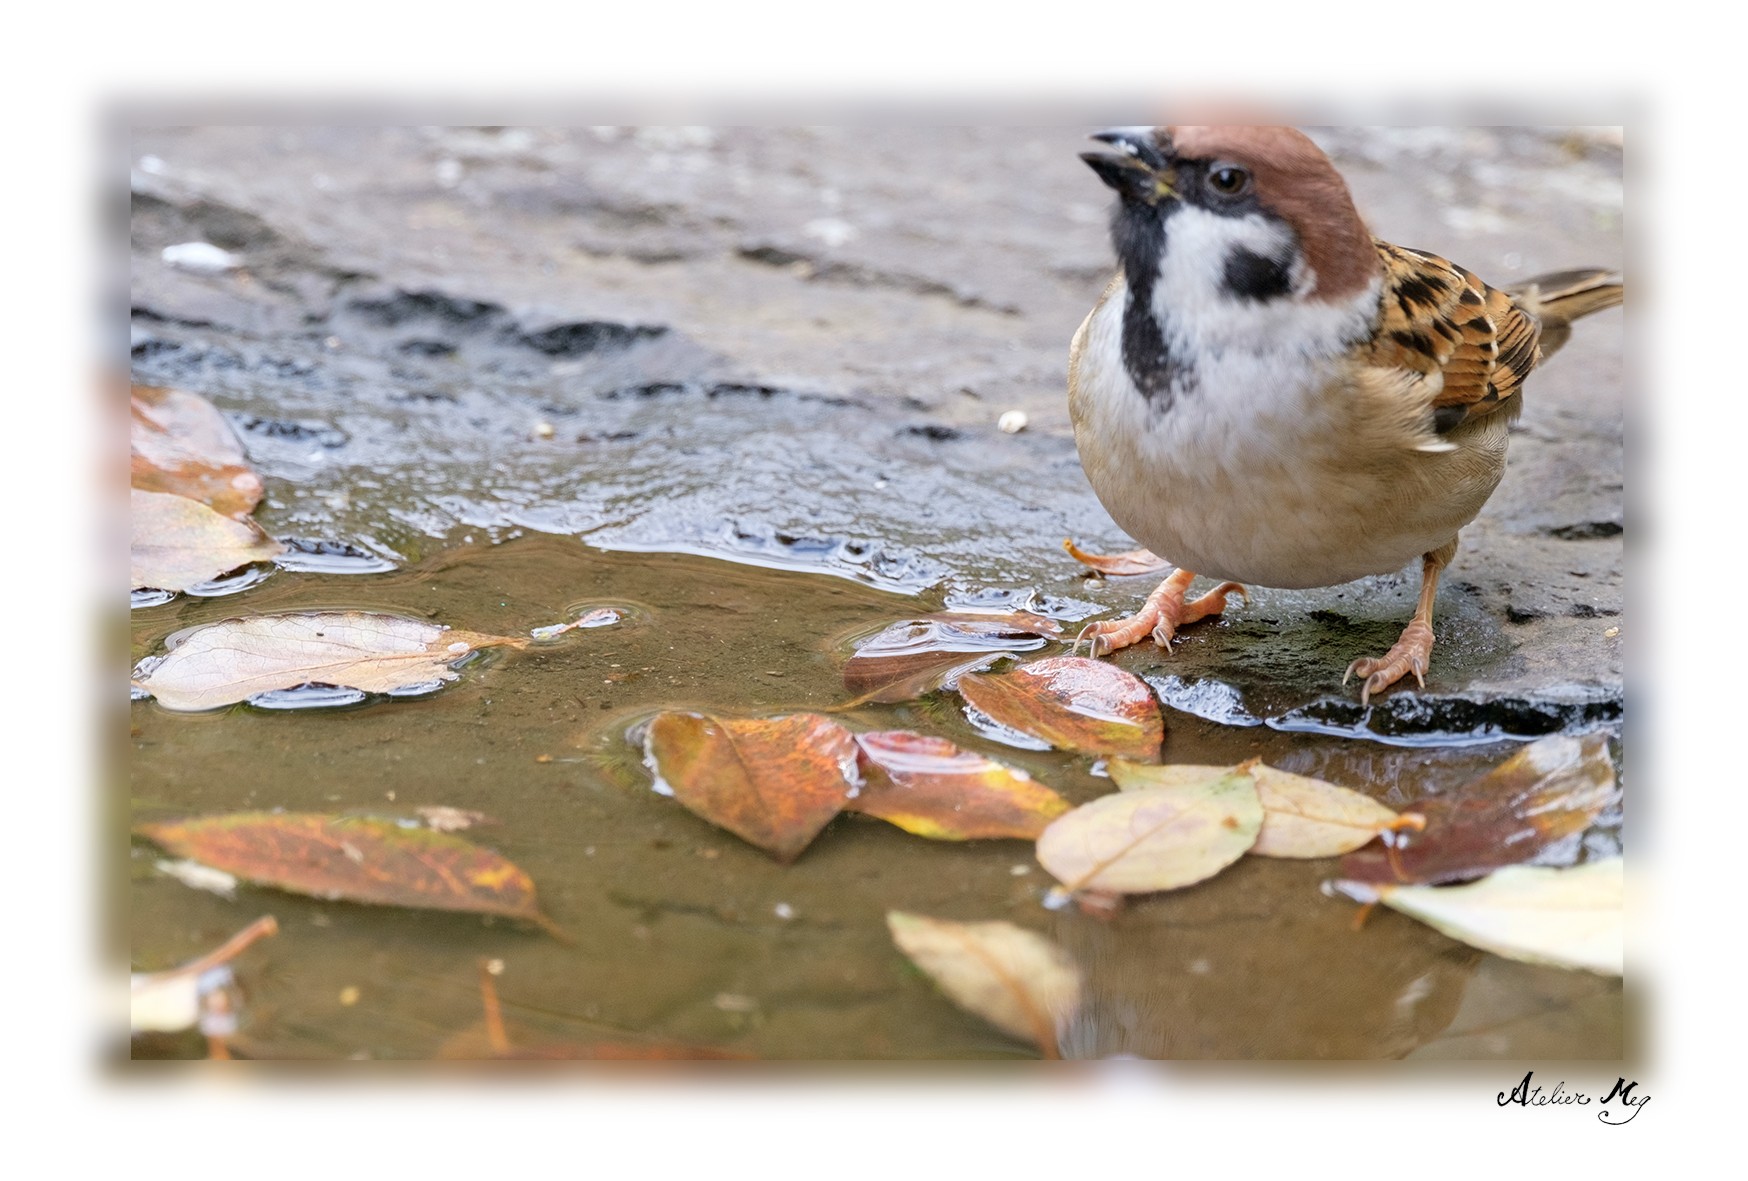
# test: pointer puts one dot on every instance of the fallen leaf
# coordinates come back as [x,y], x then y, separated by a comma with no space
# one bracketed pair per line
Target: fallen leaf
[1153,838]
[182,445]
[1015,979]
[356,859]
[224,663]
[928,786]
[1073,703]
[195,993]
[1548,792]
[177,542]
[1571,917]
[775,782]
[1301,816]
[1135,561]
[917,656]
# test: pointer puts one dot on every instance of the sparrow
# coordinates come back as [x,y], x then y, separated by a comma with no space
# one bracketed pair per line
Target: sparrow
[1267,394]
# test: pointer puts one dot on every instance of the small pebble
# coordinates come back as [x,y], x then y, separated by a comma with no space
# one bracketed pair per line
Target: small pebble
[783,911]
[1611,633]
[1013,422]
[544,430]
[202,258]
[495,967]
[349,995]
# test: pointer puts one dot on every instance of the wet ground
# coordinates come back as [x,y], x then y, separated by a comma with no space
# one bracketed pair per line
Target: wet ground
[745,384]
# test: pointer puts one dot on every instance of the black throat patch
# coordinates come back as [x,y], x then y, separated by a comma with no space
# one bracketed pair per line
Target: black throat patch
[1139,236]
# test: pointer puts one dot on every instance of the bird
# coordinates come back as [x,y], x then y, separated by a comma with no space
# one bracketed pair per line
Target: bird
[1266,394]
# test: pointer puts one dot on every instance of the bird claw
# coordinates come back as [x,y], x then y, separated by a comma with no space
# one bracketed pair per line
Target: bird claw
[1379,674]
[1096,644]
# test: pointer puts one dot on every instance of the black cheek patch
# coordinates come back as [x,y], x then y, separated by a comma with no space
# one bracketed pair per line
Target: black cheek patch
[1250,275]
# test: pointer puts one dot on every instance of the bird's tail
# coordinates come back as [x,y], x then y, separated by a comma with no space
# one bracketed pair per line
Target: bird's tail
[1557,299]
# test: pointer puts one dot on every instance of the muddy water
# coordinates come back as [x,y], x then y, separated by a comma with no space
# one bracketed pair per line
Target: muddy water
[685,934]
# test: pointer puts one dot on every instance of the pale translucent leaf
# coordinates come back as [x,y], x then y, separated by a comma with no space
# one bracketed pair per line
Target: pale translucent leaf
[1153,838]
[176,542]
[1301,816]
[223,663]
[1570,918]
[1015,979]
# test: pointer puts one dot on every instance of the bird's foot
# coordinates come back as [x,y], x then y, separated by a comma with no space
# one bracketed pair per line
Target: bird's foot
[1161,616]
[1409,655]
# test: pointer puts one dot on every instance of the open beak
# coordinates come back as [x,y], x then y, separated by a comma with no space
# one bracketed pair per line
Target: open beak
[1139,171]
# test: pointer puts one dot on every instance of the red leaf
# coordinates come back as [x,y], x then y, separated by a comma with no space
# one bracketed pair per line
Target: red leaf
[1549,791]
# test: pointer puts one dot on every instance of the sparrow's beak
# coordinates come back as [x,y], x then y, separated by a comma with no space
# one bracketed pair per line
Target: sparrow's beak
[1140,172]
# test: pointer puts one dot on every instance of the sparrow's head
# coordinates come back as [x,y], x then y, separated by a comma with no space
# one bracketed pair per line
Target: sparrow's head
[1248,214]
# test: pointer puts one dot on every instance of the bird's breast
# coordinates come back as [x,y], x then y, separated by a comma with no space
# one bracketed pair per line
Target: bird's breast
[1270,466]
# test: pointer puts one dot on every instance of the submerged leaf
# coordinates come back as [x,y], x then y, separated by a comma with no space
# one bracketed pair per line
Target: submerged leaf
[775,782]
[1548,792]
[1301,816]
[930,787]
[1135,561]
[357,859]
[224,663]
[917,656]
[183,445]
[1153,838]
[1015,979]
[177,542]
[1073,703]
[1568,918]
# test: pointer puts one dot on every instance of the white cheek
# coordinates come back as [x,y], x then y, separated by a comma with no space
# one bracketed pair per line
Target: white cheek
[1200,314]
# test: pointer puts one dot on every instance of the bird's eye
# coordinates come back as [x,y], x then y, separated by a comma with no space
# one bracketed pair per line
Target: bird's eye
[1229,181]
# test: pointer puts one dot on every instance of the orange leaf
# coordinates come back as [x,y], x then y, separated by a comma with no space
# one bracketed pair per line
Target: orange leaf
[775,782]
[1135,561]
[930,787]
[356,858]
[1073,704]
[183,445]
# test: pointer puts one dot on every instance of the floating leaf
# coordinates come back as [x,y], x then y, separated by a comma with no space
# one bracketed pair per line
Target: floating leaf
[1569,918]
[1135,561]
[178,542]
[183,445]
[1301,816]
[1073,703]
[1548,792]
[1153,838]
[356,858]
[1013,978]
[775,782]
[917,656]
[181,998]
[224,663]
[930,787]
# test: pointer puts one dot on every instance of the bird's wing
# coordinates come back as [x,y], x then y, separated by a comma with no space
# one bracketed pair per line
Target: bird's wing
[1470,342]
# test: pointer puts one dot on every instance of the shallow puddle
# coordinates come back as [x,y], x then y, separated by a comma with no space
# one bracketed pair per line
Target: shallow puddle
[685,934]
